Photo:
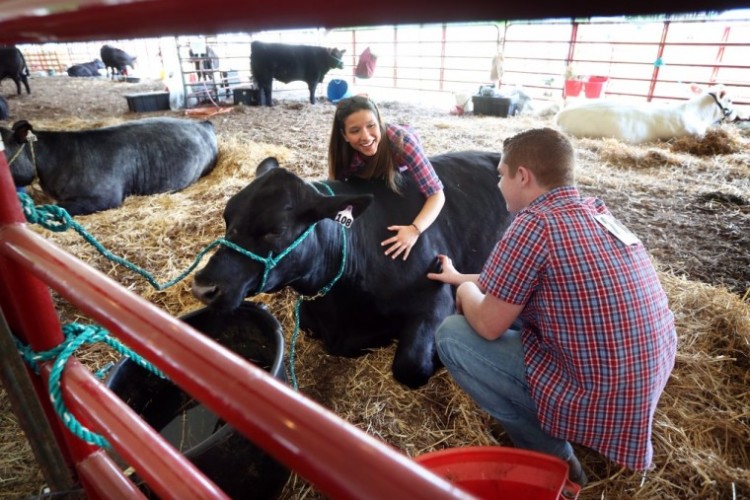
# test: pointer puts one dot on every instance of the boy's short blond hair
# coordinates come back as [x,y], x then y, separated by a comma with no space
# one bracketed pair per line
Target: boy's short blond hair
[546,152]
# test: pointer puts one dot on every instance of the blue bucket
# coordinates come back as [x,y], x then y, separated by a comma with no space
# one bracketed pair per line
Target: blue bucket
[337,90]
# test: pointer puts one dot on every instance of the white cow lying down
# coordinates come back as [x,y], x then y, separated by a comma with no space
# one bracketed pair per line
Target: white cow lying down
[643,122]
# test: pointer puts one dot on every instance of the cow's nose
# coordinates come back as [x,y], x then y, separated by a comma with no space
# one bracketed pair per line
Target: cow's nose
[206,294]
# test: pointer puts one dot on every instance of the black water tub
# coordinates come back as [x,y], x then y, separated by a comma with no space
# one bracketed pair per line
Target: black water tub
[230,460]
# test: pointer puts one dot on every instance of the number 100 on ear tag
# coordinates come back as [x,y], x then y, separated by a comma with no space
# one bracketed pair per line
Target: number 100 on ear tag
[345,217]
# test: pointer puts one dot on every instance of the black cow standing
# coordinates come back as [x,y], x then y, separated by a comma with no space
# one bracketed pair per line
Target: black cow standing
[289,63]
[13,66]
[91,170]
[86,69]
[377,299]
[207,63]
[117,60]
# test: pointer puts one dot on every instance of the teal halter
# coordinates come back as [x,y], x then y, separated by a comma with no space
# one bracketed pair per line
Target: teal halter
[270,262]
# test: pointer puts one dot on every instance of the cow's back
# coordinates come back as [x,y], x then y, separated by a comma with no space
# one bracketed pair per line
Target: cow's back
[471,222]
[474,216]
[169,153]
[287,63]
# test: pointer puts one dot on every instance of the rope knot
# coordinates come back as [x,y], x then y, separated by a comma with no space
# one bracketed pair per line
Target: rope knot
[51,217]
[76,335]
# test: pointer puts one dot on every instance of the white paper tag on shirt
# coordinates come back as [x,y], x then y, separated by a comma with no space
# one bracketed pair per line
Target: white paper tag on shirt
[345,217]
[615,227]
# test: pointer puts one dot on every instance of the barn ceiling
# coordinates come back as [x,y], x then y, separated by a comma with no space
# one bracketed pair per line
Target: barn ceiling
[35,21]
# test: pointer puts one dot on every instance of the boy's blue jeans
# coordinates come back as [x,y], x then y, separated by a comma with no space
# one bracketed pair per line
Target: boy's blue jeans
[492,372]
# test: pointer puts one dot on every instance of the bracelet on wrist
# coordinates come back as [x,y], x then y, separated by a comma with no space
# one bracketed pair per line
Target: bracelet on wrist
[419,231]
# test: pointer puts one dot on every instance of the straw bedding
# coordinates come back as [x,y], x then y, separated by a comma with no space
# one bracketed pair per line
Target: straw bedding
[688,200]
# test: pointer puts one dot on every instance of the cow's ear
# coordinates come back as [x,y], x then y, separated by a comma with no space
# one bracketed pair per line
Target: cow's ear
[266,165]
[21,130]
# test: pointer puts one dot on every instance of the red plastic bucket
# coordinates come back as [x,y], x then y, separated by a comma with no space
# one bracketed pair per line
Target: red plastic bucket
[491,472]
[573,88]
[594,86]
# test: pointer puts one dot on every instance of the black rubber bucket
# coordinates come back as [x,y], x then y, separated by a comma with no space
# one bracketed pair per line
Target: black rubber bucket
[230,460]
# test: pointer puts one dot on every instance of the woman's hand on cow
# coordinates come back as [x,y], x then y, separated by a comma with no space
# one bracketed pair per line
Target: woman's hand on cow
[401,242]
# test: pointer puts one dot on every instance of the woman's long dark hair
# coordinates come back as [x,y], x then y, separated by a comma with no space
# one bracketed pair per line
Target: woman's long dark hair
[340,152]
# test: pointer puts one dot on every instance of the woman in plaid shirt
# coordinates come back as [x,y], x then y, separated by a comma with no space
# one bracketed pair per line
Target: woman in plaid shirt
[566,335]
[363,145]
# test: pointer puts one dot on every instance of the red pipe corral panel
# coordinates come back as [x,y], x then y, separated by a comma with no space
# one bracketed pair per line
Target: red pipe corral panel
[40,21]
[338,458]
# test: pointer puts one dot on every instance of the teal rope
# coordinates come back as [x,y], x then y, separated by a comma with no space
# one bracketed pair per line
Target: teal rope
[300,298]
[323,291]
[57,219]
[75,335]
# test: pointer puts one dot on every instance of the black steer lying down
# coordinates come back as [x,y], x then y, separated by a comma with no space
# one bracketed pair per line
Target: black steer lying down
[86,69]
[377,299]
[91,170]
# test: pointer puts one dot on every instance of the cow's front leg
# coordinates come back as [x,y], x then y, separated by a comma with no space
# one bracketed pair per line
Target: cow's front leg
[264,94]
[312,87]
[416,358]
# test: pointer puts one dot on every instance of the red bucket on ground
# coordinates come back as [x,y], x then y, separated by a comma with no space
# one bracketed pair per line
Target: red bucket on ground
[491,472]
[594,86]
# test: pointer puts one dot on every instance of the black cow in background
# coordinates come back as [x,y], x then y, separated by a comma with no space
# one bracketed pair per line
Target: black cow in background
[13,66]
[116,59]
[4,109]
[86,69]
[208,63]
[91,170]
[377,299]
[290,63]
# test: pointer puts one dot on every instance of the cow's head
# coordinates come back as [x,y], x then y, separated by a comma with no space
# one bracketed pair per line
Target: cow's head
[269,218]
[337,58]
[719,96]
[21,166]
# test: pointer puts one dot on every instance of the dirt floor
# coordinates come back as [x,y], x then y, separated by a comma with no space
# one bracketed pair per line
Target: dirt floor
[688,200]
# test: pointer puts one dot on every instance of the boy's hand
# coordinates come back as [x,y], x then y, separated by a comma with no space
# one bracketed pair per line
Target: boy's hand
[447,273]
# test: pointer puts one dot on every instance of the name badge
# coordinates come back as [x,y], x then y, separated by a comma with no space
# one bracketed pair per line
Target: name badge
[617,229]
[345,217]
